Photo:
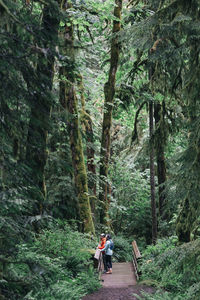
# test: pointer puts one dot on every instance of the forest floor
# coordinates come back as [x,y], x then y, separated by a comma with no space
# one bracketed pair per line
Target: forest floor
[122,293]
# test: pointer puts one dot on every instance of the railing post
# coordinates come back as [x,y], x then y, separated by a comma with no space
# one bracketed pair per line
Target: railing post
[136,255]
[100,265]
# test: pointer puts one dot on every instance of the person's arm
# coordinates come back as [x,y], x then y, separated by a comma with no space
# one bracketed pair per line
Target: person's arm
[102,246]
[106,246]
[103,242]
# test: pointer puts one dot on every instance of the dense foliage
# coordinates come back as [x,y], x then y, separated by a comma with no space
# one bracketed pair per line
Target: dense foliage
[55,263]
[173,269]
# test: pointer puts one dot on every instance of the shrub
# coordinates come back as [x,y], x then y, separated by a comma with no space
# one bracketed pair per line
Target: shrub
[122,249]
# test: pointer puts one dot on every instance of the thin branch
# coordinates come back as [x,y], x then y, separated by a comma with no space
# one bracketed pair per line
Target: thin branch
[131,2]
[90,34]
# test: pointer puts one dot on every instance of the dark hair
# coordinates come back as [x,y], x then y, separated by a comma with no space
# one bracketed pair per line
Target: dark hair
[108,237]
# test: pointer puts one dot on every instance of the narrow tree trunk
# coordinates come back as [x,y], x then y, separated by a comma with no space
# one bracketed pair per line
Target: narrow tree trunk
[68,100]
[88,130]
[160,156]
[36,148]
[152,176]
[109,91]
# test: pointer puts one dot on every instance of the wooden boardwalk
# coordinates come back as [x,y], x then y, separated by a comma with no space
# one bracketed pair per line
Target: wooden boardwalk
[122,276]
[120,285]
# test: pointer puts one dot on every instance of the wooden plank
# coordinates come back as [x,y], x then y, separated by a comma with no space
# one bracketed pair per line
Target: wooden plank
[136,250]
[122,276]
[135,265]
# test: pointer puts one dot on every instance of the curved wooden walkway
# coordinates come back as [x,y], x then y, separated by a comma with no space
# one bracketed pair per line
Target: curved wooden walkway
[122,276]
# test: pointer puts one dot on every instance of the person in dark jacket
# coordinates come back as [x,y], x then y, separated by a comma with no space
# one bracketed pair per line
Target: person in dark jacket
[109,253]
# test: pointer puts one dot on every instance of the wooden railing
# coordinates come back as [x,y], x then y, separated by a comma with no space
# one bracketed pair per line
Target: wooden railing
[136,256]
[100,265]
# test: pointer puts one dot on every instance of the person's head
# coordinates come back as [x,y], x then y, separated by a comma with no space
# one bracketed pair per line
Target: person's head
[102,235]
[108,237]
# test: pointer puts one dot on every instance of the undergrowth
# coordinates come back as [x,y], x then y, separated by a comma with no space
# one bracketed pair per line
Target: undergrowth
[122,249]
[174,270]
[55,264]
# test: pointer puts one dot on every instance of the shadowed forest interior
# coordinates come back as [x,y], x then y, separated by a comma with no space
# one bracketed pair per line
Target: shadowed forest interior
[99,132]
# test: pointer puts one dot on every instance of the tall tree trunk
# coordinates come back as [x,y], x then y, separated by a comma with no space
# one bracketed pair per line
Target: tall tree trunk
[68,100]
[88,130]
[36,152]
[152,176]
[160,156]
[109,91]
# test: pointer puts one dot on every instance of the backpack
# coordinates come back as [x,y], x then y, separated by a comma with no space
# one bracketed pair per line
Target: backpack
[111,245]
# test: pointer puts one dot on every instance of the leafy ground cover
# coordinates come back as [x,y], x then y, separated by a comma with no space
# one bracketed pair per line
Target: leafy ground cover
[55,264]
[173,269]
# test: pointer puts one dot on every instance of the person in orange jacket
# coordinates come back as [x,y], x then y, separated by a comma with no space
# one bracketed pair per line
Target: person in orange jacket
[101,246]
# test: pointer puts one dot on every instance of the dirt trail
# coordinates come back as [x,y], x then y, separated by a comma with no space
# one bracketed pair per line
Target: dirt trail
[123,293]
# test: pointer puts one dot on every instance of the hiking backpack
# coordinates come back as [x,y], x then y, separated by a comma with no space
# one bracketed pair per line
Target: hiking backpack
[111,245]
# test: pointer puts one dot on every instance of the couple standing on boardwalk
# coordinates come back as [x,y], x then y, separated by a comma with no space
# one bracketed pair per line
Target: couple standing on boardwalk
[106,247]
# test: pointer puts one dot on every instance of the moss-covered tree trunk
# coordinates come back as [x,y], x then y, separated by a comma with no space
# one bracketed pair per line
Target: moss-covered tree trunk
[109,91]
[41,99]
[68,100]
[89,136]
[160,156]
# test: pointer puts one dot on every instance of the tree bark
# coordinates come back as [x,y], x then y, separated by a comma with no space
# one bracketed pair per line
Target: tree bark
[36,147]
[160,156]
[152,176]
[68,100]
[109,92]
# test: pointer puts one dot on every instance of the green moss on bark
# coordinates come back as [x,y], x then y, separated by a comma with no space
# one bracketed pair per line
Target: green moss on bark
[68,100]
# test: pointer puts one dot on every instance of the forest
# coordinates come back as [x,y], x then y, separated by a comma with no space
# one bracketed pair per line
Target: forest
[99,132]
